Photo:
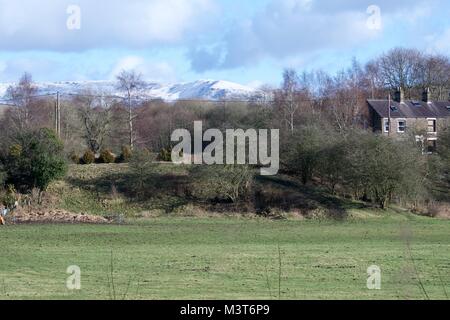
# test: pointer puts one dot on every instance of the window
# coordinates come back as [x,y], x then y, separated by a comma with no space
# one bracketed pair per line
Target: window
[386,125]
[432,126]
[431,146]
[401,126]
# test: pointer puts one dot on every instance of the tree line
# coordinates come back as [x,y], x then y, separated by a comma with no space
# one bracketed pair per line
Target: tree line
[323,121]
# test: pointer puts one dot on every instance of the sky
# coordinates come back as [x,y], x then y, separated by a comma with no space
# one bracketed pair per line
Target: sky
[245,41]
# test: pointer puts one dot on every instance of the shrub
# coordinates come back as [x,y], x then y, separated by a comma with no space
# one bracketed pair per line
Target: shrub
[15,150]
[106,156]
[8,197]
[73,156]
[140,160]
[381,169]
[40,161]
[444,154]
[88,157]
[231,183]
[165,155]
[126,154]
[142,168]
[302,154]
[3,176]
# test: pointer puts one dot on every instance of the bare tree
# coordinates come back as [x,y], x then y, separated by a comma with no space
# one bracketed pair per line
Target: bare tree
[435,75]
[373,80]
[94,113]
[21,96]
[131,83]
[340,98]
[401,68]
[288,98]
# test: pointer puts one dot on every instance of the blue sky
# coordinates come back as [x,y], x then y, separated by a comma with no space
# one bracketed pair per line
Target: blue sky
[245,41]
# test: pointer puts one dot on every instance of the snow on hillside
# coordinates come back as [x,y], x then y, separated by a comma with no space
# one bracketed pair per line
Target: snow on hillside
[201,89]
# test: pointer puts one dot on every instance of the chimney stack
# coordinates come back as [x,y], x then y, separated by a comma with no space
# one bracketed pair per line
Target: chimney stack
[400,95]
[426,97]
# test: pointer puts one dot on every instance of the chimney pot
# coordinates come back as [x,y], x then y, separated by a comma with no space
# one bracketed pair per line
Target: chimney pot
[426,97]
[400,95]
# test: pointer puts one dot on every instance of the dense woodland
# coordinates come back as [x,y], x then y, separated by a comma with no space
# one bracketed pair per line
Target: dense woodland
[325,137]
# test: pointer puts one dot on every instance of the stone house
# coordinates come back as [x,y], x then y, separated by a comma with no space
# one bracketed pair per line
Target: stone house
[400,118]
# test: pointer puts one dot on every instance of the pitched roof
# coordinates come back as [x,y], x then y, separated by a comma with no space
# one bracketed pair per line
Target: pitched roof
[411,109]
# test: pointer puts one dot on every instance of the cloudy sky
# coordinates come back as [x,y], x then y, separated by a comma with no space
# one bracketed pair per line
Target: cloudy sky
[245,41]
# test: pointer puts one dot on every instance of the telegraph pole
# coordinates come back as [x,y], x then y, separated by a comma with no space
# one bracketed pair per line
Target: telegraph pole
[57,116]
[389,118]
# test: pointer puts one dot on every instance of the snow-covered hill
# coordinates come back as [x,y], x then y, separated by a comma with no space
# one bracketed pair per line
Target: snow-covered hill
[202,89]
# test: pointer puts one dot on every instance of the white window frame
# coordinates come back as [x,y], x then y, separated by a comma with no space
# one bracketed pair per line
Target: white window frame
[435,125]
[398,125]
[386,123]
[428,140]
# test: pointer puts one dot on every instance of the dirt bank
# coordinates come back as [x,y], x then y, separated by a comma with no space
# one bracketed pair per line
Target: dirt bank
[52,216]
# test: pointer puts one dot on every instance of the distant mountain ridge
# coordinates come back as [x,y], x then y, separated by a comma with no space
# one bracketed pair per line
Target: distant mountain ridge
[201,89]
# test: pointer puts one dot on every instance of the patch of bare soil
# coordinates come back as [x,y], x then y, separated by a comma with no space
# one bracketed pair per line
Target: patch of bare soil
[440,210]
[53,216]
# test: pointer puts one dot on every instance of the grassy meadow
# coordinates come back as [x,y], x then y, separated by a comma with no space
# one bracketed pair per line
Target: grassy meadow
[170,246]
[229,258]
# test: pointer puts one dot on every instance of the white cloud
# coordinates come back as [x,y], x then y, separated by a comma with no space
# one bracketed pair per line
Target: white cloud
[3,66]
[30,24]
[13,68]
[255,84]
[128,63]
[439,43]
[285,28]
[290,30]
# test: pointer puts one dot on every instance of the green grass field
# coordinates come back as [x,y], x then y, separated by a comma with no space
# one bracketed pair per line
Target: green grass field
[229,258]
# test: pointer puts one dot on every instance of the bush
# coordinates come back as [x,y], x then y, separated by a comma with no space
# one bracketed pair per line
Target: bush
[302,154]
[382,169]
[231,183]
[15,150]
[444,154]
[88,157]
[165,155]
[106,156]
[359,164]
[126,154]
[74,158]
[40,161]
[142,167]
[3,176]
[8,197]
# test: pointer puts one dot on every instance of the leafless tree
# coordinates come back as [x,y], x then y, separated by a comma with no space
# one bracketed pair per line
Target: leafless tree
[373,79]
[21,96]
[288,98]
[401,68]
[131,83]
[94,112]
[435,75]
